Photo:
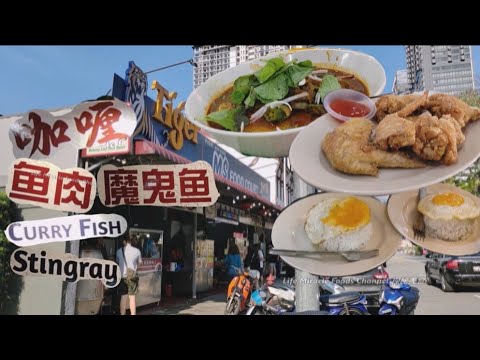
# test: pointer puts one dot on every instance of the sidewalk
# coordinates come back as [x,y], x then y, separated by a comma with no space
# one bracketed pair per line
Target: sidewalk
[211,304]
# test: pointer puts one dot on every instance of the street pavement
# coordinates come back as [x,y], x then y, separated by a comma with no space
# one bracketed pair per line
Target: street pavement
[411,268]
[210,305]
[432,299]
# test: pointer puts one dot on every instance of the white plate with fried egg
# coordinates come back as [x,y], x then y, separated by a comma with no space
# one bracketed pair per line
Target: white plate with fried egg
[335,222]
[451,216]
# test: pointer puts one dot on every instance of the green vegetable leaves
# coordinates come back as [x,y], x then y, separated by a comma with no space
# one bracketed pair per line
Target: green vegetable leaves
[298,72]
[274,89]
[241,88]
[329,84]
[251,98]
[270,68]
[271,82]
[228,119]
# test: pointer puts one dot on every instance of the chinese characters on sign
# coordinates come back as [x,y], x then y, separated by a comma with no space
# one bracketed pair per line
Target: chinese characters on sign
[188,185]
[38,134]
[42,183]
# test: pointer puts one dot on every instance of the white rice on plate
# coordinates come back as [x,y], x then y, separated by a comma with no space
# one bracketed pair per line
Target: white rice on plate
[449,230]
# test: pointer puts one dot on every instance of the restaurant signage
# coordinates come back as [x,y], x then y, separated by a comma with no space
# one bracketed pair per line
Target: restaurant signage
[188,185]
[93,124]
[68,228]
[177,128]
[162,124]
[68,267]
[43,184]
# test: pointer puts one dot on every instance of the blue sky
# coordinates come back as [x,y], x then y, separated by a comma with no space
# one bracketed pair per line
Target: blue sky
[48,77]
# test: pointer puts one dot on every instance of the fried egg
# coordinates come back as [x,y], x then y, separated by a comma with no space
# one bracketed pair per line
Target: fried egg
[448,206]
[339,224]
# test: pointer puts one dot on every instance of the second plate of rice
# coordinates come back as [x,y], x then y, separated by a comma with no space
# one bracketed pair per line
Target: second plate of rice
[454,234]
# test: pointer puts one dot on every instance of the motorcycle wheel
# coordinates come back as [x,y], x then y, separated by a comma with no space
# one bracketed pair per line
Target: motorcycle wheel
[233,306]
[258,311]
[351,312]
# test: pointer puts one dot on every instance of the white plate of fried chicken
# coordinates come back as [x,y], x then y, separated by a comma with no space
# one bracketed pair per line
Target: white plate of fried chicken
[414,141]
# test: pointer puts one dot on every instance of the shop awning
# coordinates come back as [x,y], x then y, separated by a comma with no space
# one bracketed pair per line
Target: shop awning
[144,147]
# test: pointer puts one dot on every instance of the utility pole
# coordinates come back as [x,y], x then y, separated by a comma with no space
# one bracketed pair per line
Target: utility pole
[306,285]
[69,295]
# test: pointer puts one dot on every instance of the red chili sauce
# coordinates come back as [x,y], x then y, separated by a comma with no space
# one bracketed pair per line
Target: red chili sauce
[349,108]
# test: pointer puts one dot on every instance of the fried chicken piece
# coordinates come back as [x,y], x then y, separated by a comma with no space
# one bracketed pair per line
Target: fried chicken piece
[458,130]
[436,139]
[348,150]
[416,104]
[390,104]
[394,132]
[443,104]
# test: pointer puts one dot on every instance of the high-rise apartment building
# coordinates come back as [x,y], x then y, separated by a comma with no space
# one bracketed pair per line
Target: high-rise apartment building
[444,68]
[212,59]
[401,84]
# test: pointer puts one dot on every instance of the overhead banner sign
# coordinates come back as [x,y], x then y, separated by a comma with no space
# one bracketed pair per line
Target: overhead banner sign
[188,185]
[68,228]
[68,267]
[93,124]
[177,129]
[43,184]
[162,123]
[225,165]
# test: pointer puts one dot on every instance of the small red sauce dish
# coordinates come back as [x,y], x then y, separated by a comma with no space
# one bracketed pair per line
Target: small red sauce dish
[345,104]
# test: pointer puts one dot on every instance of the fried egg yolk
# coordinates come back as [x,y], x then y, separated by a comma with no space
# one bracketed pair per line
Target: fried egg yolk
[448,199]
[349,213]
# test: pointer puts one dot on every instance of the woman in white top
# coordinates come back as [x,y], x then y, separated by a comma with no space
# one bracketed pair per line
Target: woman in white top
[128,258]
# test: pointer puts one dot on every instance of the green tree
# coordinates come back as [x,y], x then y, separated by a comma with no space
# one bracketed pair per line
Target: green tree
[471,97]
[10,283]
[468,180]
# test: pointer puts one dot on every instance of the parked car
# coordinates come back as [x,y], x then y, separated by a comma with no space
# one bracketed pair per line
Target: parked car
[453,272]
[369,283]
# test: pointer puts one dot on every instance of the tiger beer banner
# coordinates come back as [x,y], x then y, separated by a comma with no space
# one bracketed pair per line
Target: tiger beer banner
[43,184]
[189,185]
[93,125]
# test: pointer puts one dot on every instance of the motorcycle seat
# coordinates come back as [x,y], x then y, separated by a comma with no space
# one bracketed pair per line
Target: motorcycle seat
[342,298]
[309,312]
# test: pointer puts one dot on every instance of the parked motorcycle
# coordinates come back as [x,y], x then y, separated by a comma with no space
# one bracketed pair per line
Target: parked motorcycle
[272,300]
[280,300]
[395,299]
[398,299]
[337,301]
[240,290]
[347,303]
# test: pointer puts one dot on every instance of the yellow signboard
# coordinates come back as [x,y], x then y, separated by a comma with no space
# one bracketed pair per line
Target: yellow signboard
[174,119]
